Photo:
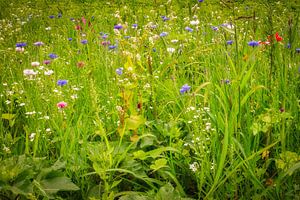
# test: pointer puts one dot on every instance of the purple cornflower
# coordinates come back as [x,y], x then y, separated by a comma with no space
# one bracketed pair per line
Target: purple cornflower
[164,18]
[200,1]
[215,28]
[53,56]
[70,39]
[229,42]
[62,82]
[21,44]
[84,41]
[118,26]
[104,36]
[112,46]
[51,16]
[298,50]
[253,43]
[38,44]
[188,29]
[184,88]
[288,46]
[163,34]
[105,43]
[119,71]
[134,26]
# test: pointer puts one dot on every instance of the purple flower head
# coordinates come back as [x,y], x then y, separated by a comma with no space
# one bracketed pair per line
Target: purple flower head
[118,26]
[72,19]
[154,49]
[47,62]
[62,82]
[288,46]
[38,44]
[200,1]
[188,29]
[112,47]
[70,39]
[126,36]
[59,15]
[253,43]
[119,71]
[84,41]
[163,34]
[21,44]
[105,43]
[215,28]
[184,88]
[104,36]
[298,50]
[229,42]
[164,18]
[53,56]
[51,16]
[134,26]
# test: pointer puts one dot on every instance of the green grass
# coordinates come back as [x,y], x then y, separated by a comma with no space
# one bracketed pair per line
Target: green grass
[233,135]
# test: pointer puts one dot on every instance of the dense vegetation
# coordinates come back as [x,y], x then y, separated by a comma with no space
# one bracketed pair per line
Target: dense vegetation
[149,99]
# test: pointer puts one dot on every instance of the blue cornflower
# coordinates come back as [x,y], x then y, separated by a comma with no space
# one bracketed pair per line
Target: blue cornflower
[84,41]
[164,18]
[126,36]
[112,46]
[184,88]
[21,44]
[134,25]
[53,56]
[62,82]
[104,36]
[70,39]
[118,26]
[38,44]
[163,34]
[51,16]
[200,1]
[229,42]
[298,50]
[189,29]
[253,43]
[119,71]
[288,46]
[215,28]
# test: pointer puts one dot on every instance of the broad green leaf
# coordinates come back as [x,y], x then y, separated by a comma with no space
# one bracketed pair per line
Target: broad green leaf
[160,163]
[134,121]
[8,116]
[140,155]
[57,184]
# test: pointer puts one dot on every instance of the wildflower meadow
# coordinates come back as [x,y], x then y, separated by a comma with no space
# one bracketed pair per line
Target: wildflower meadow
[149,100]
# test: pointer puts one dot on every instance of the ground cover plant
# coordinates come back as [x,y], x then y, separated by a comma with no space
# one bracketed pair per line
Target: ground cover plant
[149,99]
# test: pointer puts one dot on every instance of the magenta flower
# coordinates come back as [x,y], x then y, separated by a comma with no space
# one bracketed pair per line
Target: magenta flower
[61,104]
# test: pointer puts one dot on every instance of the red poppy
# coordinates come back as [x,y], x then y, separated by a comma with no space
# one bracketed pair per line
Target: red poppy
[278,38]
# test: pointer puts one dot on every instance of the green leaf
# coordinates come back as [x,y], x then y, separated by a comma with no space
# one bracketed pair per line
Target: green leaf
[140,155]
[8,116]
[134,121]
[160,163]
[57,184]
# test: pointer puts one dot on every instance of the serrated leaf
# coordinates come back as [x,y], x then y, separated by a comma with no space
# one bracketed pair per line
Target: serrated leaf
[160,163]
[140,155]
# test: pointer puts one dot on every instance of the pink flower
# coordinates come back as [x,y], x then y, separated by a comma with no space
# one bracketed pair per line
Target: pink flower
[61,104]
